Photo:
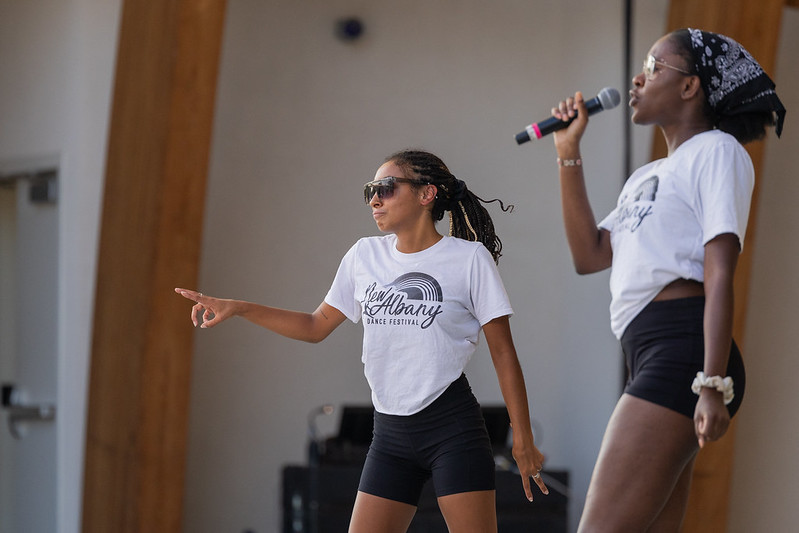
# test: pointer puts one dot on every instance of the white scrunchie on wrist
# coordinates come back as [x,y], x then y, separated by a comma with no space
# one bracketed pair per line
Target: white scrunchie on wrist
[723,385]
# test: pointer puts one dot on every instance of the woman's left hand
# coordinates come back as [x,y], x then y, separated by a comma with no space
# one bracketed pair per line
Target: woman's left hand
[528,457]
[711,418]
[530,461]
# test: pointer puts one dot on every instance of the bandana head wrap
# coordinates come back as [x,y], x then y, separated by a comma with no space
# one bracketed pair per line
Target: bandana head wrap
[732,79]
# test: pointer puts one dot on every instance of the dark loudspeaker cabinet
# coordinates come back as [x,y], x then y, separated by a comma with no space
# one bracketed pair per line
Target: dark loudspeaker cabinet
[320,500]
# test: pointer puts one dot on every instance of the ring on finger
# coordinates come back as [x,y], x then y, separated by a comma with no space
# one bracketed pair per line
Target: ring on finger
[537,475]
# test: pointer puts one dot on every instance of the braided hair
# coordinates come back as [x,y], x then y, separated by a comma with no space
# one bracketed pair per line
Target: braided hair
[468,218]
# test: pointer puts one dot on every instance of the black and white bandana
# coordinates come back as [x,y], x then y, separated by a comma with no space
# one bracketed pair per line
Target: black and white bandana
[732,79]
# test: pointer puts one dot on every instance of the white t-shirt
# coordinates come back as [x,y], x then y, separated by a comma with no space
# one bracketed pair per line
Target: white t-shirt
[666,213]
[422,314]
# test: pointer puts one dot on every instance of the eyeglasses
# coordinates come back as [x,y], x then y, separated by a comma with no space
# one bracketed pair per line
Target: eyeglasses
[384,187]
[650,63]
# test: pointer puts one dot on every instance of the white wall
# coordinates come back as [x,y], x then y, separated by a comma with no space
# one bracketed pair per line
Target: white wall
[56,68]
[303,120]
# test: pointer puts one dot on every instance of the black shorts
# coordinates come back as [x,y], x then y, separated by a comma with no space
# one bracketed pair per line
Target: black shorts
[447,441]
[664,348]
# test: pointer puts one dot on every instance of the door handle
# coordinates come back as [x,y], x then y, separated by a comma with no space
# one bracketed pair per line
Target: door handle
[20,412]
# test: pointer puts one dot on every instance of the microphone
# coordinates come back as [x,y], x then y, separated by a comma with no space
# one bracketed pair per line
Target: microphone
[608,98]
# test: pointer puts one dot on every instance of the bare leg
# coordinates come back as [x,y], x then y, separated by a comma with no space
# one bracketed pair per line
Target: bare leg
[670,518]
[470,512]
[645,454]
[373,514]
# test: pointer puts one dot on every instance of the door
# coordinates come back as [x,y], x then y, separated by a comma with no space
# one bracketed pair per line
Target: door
[28,345]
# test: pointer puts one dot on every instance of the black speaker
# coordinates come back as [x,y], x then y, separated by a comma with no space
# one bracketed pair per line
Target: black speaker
[320,500]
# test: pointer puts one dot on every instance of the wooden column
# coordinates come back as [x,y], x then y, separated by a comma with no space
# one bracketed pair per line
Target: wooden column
[157,162]
[756,26]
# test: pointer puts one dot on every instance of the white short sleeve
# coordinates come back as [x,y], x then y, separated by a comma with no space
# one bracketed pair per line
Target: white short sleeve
[342,292]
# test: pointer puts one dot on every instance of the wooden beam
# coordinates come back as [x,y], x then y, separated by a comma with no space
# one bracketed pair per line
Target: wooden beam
[756,26]
[159,142]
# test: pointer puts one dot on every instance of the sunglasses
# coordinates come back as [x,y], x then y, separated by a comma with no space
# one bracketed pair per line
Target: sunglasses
[651,63]
[384,187]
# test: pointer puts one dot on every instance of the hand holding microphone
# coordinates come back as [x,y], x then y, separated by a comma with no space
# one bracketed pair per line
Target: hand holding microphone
[608,98]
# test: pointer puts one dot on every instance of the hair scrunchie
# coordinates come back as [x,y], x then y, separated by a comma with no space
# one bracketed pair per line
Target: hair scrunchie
[733,81]
[452,193]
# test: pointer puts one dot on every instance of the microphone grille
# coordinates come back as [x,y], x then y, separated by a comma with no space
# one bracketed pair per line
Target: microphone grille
[609,98]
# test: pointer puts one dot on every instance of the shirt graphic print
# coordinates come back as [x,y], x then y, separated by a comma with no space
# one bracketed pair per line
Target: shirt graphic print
[635,207]
[413,299]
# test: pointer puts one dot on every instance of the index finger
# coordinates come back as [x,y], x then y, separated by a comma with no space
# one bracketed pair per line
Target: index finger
[527,490]
[579,103]
[539,480]
[188,294]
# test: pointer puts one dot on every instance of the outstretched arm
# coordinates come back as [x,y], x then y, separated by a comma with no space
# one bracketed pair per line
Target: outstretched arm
[589,245]
[309,327]
[511,381]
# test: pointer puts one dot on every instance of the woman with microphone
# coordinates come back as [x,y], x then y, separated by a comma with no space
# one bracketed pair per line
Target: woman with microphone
[672,244]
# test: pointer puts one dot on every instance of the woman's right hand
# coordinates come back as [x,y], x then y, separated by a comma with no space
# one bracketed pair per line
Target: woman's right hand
[567,140]
[211,311]
[308,327]
[590,246]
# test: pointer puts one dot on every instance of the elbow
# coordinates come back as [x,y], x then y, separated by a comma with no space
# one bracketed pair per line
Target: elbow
[588,268]
[591,263]
[594,255]
[583,268]
[315,338]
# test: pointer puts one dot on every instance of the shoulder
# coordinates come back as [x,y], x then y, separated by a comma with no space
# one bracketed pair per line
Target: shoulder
[375,242]
[714,141]
[470,255]
[712,153]
[723,152]
[379,239]
[366,247]
[462,246]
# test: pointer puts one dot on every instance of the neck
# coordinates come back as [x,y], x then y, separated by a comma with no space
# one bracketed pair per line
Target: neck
[409,242]
[680,132]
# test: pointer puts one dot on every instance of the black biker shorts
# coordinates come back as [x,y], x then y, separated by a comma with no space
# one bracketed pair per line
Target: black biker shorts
[664,349]
[447,441]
